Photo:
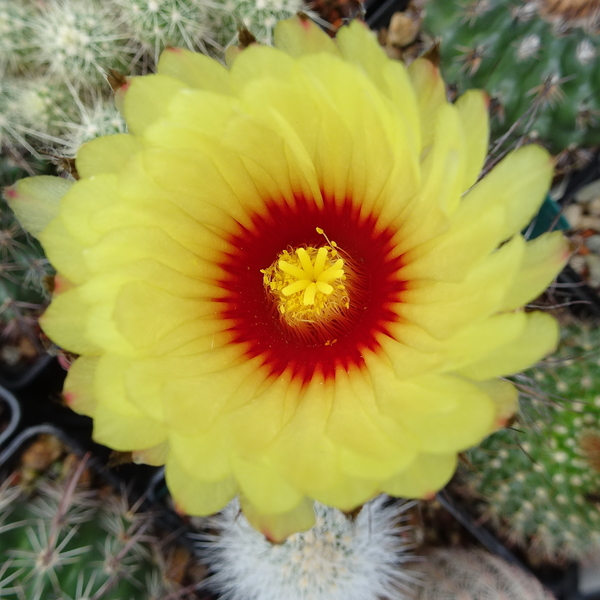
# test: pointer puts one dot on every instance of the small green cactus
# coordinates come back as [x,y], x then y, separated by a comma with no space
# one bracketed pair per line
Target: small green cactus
[61,541]
[475,574]
[540,479]
[539,69]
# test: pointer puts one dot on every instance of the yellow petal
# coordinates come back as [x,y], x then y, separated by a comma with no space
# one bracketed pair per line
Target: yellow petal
[206,454]
[66,321]
[444,413]
[35,200]
[194,496]
[431,95]
[538,339]
[147,100]
[505,397]
[258,62]
[299,35]
[155,456]
[64,252]
[107,154]
[472,109]
[194,403]
[358,45]
[477,340]
[78,388]
[427,474]
[263,487]
[441,309]
[277,527]
[442,178]
[518,184]
[544,257]
[194,69]
[82,200]
[137,307]
[303,453]
[346,492]
[367,446]
[450,256]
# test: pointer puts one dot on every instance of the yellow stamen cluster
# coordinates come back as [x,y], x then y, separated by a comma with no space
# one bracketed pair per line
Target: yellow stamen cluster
[308,283]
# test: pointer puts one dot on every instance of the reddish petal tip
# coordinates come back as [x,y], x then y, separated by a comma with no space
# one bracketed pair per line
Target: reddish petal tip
[10,193]
[65,363]
[179,510]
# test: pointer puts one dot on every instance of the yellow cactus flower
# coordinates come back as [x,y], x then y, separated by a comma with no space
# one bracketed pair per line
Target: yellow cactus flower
[286,283]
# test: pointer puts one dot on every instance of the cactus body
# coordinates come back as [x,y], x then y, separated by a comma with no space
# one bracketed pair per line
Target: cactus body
[475,575]
[539,69]
[540,480]
[62,542]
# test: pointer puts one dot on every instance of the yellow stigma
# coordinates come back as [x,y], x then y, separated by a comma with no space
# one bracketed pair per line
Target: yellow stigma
[308,283]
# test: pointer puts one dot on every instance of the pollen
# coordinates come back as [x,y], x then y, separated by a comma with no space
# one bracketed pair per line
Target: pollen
[308,284]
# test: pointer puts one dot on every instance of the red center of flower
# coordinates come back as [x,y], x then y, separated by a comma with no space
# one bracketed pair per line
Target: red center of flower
[362,298]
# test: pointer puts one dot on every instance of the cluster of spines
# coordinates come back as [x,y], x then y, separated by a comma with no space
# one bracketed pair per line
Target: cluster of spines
[538,482]
[340,558]
[63,541]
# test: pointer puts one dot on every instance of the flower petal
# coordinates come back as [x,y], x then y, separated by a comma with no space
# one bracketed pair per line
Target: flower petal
[107,154]
[538,339]
[35,200]
[195,496]
[277,527]
[65,322]
[147,99]
[78,388]
[440,425]
[427,474]
[299,35]
[64,252]
[543,259]
[472,108]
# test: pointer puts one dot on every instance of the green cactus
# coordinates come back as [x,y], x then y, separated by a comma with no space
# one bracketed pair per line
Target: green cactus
[540,479]
[64,542]
[53,92]
[474,574]
[539,69]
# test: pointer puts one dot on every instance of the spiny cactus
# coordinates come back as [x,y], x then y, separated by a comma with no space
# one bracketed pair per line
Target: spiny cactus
[258,16]
[540,480]
[61,541]
[156,24]
[339,559]
[474,575]
[537,59]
